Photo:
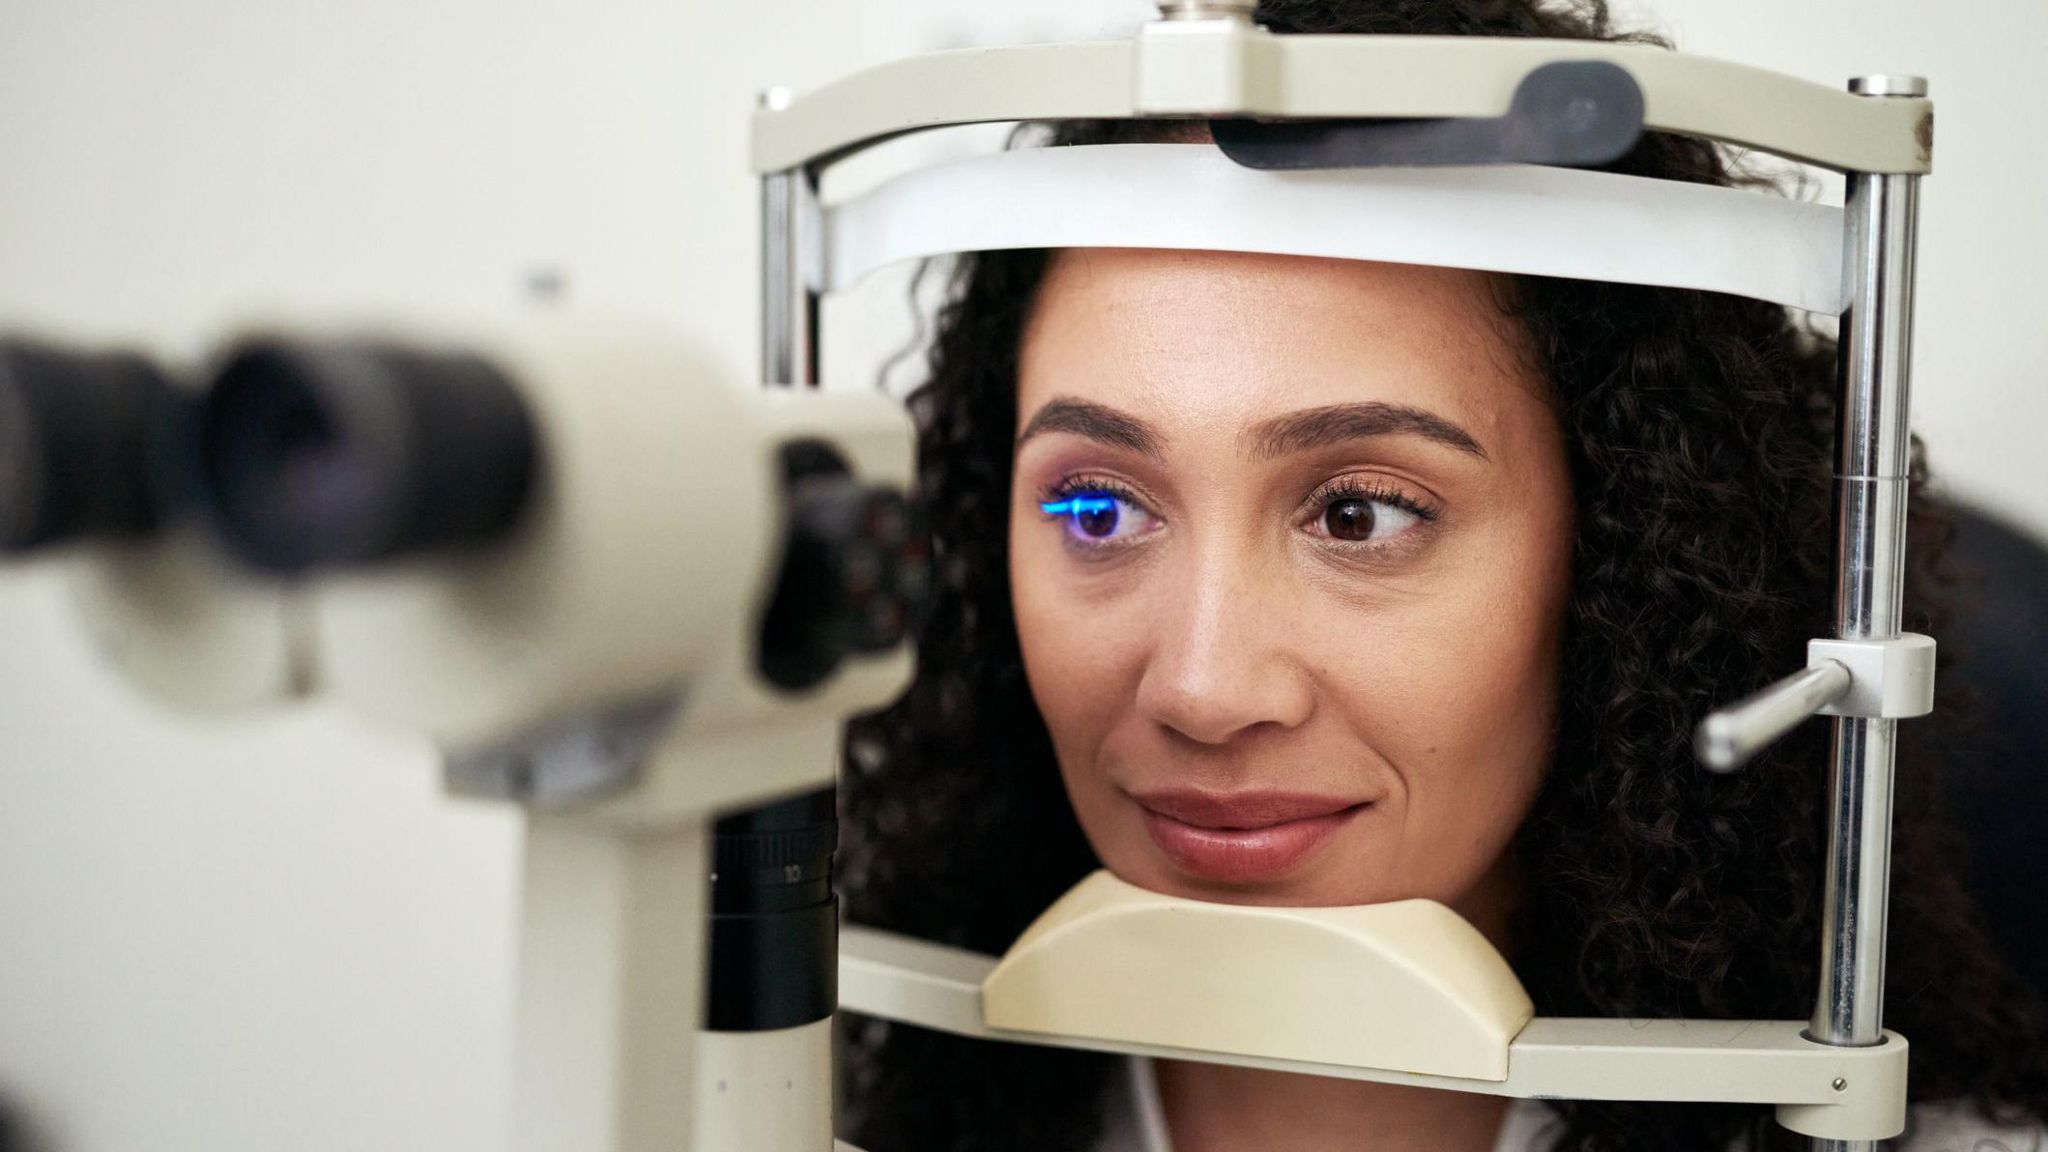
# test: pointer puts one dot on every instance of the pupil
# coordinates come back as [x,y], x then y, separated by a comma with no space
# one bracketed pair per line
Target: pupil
[1350,519]
[1097,519]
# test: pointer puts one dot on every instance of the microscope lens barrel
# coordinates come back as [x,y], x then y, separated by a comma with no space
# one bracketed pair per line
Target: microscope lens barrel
[331,455]
[83,445]
[774,955]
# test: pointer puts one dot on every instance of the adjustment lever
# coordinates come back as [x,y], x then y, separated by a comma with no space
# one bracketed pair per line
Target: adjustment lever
[1569,113]
[1729,737]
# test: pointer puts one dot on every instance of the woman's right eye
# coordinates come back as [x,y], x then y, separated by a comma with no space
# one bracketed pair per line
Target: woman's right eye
[1098,516]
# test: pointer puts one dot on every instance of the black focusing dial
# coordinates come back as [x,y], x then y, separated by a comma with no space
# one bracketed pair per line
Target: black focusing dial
[856,570]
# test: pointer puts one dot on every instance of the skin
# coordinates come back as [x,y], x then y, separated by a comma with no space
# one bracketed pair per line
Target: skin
[1222,638]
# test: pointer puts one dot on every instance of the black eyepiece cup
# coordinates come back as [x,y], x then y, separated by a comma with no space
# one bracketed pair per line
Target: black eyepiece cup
[321,456]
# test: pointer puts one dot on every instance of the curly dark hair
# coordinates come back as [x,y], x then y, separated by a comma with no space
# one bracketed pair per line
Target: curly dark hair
[1699,431]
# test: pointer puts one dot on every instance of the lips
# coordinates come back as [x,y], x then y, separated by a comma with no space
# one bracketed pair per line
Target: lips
[1243,837]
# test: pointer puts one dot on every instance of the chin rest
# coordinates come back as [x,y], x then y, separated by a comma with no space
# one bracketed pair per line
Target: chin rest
[1408,986]
[1403,993]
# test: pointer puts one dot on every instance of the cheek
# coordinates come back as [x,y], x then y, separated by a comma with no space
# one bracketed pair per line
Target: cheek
[1080,647]
[1457,737]
[1460,696]
[1084,649]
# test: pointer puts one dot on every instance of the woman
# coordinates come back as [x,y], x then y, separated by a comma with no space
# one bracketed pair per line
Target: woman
[1276,580]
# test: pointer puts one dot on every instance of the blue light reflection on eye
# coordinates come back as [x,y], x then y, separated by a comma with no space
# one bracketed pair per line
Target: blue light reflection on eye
[1079,506]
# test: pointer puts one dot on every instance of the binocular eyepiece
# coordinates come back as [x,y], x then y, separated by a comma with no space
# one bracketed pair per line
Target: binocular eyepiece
[304,455]
[319,456]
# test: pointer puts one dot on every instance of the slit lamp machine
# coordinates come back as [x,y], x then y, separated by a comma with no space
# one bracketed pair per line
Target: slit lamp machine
[640,602]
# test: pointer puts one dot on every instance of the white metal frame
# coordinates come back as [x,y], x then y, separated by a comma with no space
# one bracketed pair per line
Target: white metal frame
[1215,69]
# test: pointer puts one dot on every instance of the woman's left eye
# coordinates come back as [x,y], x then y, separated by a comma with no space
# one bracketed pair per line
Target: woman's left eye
[1359,519]
[1097,516]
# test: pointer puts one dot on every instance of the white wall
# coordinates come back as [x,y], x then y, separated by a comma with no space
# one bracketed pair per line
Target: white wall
[282,936]
[1981,360]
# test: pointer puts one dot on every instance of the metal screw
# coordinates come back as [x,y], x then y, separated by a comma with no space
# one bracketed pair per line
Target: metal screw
[1840,1084]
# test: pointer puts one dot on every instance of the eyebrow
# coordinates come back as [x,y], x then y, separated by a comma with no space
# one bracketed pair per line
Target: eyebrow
[1286,435]
[1093,421]
[1323,427]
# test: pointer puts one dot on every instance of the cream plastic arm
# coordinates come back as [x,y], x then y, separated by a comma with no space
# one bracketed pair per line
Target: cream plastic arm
[1189,72]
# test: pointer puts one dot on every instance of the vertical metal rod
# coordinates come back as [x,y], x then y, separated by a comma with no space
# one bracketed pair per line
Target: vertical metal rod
[789,306]
[1872,475]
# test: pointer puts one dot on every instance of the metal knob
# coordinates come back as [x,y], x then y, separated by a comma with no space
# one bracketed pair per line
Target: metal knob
[1208,10]
[1883,85]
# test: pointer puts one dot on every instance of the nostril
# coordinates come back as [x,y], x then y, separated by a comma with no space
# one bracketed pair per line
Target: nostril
[1213,723]
[1273,694]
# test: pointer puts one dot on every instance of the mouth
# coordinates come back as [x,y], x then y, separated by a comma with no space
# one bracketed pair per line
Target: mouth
[1244,837]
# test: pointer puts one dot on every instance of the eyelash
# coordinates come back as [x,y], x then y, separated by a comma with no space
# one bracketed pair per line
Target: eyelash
[1372,492]
[1316,506]
[1081,486]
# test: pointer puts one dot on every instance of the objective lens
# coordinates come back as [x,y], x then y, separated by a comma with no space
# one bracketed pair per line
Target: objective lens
[856,570]
[332,455]
[85,443]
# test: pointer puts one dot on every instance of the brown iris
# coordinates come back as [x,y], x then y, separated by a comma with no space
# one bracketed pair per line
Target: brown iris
[1350,519]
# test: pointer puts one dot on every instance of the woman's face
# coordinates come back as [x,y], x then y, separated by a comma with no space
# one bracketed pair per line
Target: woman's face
[1289,551]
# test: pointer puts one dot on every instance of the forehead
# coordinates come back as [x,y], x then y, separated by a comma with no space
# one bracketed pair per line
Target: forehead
[1207,338]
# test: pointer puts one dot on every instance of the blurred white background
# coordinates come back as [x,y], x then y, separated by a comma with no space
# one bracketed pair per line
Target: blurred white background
[282,936]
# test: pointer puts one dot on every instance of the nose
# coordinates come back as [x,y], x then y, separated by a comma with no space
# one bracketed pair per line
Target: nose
[1224,661]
